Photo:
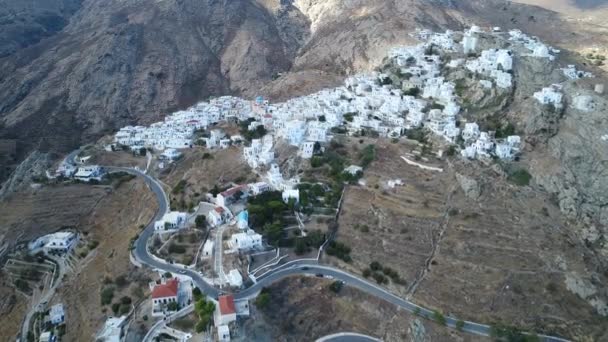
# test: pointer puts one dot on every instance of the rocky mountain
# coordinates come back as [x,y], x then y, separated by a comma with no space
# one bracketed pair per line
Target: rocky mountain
[72,71]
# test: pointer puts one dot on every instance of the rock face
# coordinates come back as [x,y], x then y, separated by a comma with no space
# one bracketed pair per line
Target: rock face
[24,23]
[470,186]
[33,166]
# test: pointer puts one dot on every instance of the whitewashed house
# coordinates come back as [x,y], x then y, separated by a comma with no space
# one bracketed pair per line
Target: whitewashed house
[55,243]
[57,314]
[173,220]
[225,311]
[217,216]
[289,194]
[89,173]
[246,241]
[163,294]
[550,96]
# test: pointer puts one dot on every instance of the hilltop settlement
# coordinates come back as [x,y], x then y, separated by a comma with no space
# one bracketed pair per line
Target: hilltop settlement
[418,91]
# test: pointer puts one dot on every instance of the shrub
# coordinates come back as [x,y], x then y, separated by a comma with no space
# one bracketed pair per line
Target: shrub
[367,156]
[380,278]
[176,249]
[375,266]
[200,221]
[460,325]
[438,317]
[107,294]
[415,91]
[121,281]
[263,300]
[505,131]
[116,308]
[336,286]
[520,177]
[339,250]
[180,187]
[367,272]
[125,300]
[22,285]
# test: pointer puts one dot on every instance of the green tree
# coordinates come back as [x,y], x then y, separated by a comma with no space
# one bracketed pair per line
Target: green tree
[107,294]
[336,286]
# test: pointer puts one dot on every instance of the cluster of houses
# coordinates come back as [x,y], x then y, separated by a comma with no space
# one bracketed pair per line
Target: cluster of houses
[535,47]
[366,101]
[84,173]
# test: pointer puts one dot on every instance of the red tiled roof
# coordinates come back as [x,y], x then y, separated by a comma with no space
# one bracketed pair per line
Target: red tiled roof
[219,210]
[226,305]
[233,190]
[169,289]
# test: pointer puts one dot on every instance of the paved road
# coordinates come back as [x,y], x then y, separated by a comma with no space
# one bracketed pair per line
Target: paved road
[289,269]
[141,244]
[347,337]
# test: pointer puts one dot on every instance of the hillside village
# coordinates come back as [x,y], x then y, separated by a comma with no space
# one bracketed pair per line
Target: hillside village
[417,95]
[414,91]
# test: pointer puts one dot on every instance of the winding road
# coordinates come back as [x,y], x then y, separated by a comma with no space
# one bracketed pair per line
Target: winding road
[304,267]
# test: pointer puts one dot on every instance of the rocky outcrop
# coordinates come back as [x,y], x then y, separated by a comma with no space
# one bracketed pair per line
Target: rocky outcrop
[24,23]
[33,166]
[470,186]
[416,331]
[588,291]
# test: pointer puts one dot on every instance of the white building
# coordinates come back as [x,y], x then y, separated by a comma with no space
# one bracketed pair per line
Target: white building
[550,96]
[572,73]
[112,329]
[353,169]
[207,249]
[57,314]
[88,173]
[291,194]
[163,295]
[234,278]
[55,243]
[584,103]
[246,241]
[171,221]
[225,311]
[217,216]
[258,188]
[171,154]
[223,333]
[470,131]
[307,149]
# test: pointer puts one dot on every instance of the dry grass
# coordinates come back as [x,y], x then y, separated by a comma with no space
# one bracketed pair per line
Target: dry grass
[304,306]
[491,259]
[114,222]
